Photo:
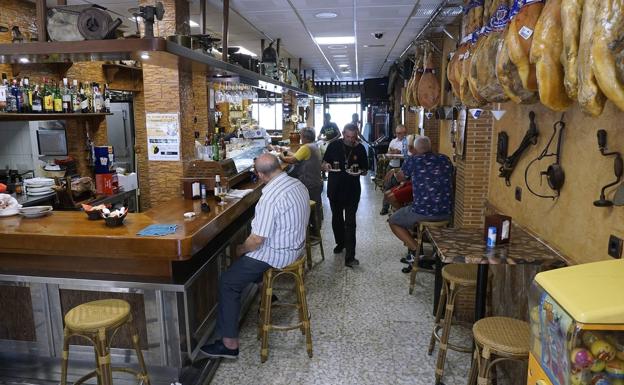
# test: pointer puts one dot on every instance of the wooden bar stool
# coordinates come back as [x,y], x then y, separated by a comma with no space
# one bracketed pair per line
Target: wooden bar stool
[419,239]
[314,238]
[98,322]
[497,339]
[264,326]
[456,278]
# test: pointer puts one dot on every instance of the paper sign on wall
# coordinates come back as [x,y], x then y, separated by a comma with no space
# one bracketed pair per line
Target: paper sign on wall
[163,136]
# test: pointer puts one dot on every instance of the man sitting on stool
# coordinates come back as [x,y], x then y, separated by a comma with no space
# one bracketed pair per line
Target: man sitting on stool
[431,176]
[277,239]
[398,145]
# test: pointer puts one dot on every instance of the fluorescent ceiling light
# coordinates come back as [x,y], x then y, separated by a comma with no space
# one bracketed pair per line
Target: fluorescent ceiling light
[245,51]
[337,46]
[339,55]
[326,15]
[193,23]
[343,65]
[373,45]
[335,40]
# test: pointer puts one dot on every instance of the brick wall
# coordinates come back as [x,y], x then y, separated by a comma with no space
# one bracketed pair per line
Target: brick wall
[432,130]
[472,180]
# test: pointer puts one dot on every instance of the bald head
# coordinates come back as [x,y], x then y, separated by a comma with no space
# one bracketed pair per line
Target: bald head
[267,166]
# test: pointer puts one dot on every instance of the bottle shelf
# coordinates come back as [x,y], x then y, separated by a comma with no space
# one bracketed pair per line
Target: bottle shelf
[7,117]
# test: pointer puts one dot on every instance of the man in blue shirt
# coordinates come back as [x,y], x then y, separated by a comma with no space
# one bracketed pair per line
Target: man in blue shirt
[431,176]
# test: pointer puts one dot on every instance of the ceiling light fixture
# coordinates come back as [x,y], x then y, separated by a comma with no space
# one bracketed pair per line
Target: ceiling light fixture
[24,60]
[339,55]
[337,46]
[145,56]
[335,40]
[244,51]
[343,65]
[193,23]
[326,15]
[373,45]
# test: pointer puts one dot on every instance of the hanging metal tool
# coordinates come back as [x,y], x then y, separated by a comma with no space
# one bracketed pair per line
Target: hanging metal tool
[530,138]
[149,14]
[554,173]
[81,22]
[618,169]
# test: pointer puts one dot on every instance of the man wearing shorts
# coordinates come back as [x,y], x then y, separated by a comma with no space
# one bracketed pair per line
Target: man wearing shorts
[431,176]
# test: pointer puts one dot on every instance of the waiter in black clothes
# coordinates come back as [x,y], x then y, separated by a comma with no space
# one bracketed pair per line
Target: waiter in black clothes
[346,161]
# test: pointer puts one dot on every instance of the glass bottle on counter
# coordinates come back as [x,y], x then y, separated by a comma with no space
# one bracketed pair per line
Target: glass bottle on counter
[48,98]
[75,96]
[217,186]
[4,89]
[37,100]
[66,97]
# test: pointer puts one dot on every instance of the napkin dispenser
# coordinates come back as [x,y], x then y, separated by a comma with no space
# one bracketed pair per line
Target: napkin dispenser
[502,223]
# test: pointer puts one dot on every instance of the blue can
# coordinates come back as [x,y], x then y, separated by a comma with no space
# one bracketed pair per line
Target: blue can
[491,236]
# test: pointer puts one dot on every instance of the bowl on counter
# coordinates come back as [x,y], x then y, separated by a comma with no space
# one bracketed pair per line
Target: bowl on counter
[94,213]
[115,221]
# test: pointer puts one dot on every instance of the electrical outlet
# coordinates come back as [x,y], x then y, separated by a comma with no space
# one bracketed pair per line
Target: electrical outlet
[518,193]
[196,134]
[615,247]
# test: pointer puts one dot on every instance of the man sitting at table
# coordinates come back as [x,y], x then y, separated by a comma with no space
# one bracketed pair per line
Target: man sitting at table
[277,239]
[397,146]
[431,176]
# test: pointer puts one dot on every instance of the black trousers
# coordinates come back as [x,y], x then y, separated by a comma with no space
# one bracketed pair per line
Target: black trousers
[343,224]
[231,284]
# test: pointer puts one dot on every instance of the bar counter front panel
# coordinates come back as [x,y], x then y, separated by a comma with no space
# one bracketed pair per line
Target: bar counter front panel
[51,264]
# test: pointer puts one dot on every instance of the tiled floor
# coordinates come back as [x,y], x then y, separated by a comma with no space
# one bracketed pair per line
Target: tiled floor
[366,329]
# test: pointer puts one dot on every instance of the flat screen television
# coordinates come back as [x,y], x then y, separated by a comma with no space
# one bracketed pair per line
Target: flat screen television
[52,142]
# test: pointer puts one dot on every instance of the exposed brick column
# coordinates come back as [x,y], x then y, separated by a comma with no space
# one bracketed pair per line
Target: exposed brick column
[432,130]
[472,181]
[167,90]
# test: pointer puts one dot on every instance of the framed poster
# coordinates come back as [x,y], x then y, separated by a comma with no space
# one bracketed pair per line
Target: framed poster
[460,133]
[163,136]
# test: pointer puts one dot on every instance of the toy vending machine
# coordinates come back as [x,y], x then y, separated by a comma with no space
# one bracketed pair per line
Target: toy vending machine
[577,325]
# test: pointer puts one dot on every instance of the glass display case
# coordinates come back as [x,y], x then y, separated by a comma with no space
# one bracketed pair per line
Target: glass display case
[577,325]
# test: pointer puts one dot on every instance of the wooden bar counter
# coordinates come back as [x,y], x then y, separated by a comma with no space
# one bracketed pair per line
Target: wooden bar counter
[51,264]
[67,243]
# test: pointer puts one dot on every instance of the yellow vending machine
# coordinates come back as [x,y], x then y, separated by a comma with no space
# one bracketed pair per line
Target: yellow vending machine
[577,325]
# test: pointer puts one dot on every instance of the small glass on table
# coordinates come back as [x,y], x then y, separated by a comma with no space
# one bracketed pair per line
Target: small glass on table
[221,193]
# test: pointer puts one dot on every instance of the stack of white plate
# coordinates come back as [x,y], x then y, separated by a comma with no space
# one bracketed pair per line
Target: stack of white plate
[35,211]
[39,186]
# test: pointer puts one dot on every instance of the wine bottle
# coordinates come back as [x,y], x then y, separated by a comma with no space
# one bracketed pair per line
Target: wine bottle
[107,99]
[48,99]
[12,98]
[85,103]
[27,95]
[58,99]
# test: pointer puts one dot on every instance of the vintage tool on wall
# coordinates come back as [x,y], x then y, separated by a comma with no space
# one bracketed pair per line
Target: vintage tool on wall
[530,138]
[502,147]
[554,173]
[149,14]
[81,22]
[618,169]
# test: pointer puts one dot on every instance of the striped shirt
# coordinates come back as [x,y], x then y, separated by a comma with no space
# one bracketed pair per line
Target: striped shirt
[281,218]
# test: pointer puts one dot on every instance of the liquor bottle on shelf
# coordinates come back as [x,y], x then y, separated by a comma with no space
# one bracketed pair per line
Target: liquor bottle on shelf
[66,97]
[12,98]
[223,154]
[86,102]
[75,96]
[37,100]
[215,149]
[4,89]
[48,98]
[27,95]
[58,98]
[97,98]
[107,99]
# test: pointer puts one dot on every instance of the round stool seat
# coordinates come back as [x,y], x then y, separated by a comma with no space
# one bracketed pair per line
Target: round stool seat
[94,315]
[461,274]
[503,335]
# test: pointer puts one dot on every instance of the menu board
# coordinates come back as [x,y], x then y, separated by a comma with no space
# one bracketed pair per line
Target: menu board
[163,136]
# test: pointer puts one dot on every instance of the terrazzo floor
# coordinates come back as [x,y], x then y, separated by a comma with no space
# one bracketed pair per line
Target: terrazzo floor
[366,328]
